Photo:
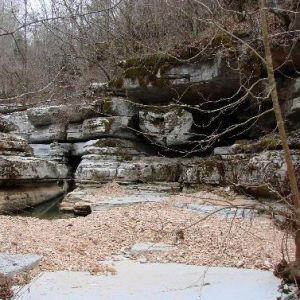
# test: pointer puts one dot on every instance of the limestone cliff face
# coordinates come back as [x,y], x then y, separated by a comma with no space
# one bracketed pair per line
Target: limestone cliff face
[137,131]
[25,180]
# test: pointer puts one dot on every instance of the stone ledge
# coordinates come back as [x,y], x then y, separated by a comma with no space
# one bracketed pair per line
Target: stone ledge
[11,264]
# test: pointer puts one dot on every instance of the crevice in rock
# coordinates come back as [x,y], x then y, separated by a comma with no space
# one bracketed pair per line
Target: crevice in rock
[73,163]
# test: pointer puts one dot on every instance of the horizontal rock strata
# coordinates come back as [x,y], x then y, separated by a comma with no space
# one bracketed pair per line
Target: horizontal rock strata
[138,130]
[26,180]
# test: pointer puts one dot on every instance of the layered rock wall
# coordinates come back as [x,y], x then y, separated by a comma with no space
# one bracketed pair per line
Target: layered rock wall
[26,180]
[136,133]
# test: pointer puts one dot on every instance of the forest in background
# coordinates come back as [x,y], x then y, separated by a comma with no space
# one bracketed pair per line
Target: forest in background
[75,42]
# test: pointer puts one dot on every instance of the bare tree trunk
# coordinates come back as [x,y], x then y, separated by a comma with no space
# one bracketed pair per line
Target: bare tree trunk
[193,7]
[26,44]
[281,128]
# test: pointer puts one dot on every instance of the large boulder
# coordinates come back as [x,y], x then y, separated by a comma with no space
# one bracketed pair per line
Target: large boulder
[262,174]
[166,126]
[46,115]
[96,127]
[60,114]
[201,171]
[112,146]
[63,123]
[116,127]
[98,169]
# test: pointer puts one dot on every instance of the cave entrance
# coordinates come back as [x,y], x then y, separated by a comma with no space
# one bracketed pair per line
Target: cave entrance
[73,162]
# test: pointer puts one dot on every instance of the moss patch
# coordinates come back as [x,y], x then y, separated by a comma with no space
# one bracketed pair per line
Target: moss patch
[224,39]
[149,70]
[270,142]
[107,106]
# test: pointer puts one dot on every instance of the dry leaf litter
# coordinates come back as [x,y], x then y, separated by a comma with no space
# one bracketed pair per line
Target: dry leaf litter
[83,244]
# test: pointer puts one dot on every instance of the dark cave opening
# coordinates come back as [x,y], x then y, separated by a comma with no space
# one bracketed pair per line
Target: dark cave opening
[218,129]
[73,163]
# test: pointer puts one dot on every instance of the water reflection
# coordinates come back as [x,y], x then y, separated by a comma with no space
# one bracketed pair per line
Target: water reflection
[47,210]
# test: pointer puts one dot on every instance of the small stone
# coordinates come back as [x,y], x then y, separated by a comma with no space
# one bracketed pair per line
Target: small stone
[142,260]
[82,209]
[267,264]
[240,264]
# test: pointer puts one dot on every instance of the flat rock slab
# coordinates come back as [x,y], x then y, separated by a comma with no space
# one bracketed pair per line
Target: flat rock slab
[151,247]
[129,200]
[10,264]
[136,281]
[226,212]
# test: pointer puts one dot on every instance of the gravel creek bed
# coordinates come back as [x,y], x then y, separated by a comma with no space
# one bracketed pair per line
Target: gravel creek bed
[81,244]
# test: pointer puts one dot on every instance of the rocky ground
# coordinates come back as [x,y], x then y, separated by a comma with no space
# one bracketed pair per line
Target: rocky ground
[83,243]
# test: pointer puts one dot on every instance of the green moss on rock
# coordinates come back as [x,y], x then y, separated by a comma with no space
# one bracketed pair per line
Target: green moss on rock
[107,105]
[149,70]
[223,39]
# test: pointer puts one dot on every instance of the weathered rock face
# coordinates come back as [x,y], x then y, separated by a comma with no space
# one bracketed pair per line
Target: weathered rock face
[26,180]
[27,196]
[96,169]
[161,79]
[168,126]
[116,106]
[41,116]
[117,127]
[11,144]
[110,138]
[62,123]
[23,127]
[259,173]
[106,126]
[262,174]
[107,159]
[46,134]
[60,114]
[29,168]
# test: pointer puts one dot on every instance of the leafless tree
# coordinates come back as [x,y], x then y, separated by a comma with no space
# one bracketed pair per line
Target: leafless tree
[77,41]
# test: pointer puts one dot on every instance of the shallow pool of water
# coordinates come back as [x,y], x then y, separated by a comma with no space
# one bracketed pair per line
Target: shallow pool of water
[46,210]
